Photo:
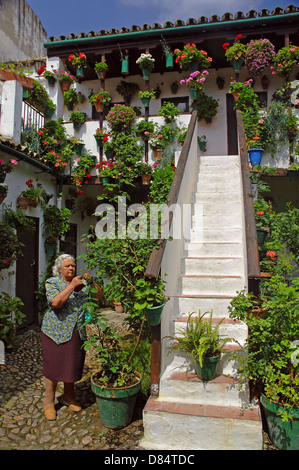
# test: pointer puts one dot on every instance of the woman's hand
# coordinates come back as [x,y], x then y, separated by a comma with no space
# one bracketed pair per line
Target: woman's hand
[77,283]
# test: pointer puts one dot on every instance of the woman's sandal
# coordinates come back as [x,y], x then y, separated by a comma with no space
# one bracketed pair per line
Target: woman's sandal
[50,412]
[72,404]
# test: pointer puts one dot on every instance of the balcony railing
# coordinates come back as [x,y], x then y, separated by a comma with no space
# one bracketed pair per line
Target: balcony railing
[31,117]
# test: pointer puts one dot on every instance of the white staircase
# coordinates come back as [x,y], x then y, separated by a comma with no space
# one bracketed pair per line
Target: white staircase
[189,413]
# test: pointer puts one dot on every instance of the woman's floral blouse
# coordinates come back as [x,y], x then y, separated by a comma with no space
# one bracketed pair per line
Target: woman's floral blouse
[59,323]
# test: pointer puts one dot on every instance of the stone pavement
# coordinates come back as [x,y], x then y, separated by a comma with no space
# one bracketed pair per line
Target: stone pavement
[22,422]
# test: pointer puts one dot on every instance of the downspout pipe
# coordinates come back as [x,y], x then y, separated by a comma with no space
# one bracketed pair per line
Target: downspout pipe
[178,29]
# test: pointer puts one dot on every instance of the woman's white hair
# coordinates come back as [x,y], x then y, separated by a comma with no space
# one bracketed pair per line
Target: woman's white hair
[58,263]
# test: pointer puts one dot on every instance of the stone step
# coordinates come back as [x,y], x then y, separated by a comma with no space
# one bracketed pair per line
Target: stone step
[222,208]
[217,265]
[208,284]
[227,327]
[227,169]
[186,304]
[202,235]
[219,179]
[200,426]
[213,249]
[219,160]
[222,390]
[217,195]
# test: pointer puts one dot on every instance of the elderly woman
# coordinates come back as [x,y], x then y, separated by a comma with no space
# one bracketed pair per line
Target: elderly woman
[62,332]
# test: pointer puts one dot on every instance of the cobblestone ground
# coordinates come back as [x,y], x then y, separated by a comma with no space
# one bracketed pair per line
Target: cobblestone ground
[22,422]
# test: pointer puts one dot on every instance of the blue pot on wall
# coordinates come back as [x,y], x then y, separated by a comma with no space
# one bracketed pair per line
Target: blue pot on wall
[255,156]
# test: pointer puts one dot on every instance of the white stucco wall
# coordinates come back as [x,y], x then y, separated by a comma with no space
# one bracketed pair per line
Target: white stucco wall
[21,33]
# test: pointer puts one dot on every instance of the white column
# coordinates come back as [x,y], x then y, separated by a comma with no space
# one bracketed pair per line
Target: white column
[11,110]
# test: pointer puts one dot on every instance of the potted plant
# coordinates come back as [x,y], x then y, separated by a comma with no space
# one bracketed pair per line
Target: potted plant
[101,68]
[192,58]
[169,112]
[126,90]
[124,62]
[259,56]
[65,79]
[6,167]
[79,61]
[3,192]
[56,224]
[202,341]
[77,144]
[70,98]
[207,106]
[202,142]
[285,61]
[145,171]
[293,172]
[195,82]
[121,118]
[11,317]
[146,63]
[145,129]
[174,87]
[150,296]
[101,136]
[10,247]
[167,53]
[235,54]
[50,76]
[81,170]
[157,143]
[146,96]
[271,361]
[77,119]
[100,100]
[35,194]
[116,385]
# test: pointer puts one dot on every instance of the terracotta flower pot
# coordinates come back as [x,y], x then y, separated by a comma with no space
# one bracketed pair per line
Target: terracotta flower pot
[65,85]
[99,107]
[146,179]
[23,202]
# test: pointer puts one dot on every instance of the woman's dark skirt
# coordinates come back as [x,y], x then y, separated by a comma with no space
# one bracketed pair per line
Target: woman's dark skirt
[63,362]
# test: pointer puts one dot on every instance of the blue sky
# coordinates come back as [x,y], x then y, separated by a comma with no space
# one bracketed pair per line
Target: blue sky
[61,17]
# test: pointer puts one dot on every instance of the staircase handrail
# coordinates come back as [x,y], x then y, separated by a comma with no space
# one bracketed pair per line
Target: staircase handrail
[253,264]
[155,260]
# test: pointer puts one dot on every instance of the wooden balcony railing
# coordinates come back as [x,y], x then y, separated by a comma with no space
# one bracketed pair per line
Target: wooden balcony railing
[253,263]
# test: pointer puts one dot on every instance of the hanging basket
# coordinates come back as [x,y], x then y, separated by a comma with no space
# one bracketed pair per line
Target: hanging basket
[65,85]
[80,72]
[146,74]
[145,102]
[99,107]
[169,61]
[124,67]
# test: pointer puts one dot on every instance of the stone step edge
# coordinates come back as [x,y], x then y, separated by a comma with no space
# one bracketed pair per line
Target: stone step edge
[224,320]
[192,377]
[205,411]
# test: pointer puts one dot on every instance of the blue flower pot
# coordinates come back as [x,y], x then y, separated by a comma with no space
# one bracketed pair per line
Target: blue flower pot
[255,156]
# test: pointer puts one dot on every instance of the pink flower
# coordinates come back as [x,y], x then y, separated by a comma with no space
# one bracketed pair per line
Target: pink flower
[14,162]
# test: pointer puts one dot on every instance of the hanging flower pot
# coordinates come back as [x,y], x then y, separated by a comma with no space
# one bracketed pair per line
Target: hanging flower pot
[145,102]
[174,87]
[101,74]
[65,85]
[106,180]
[153,314]
[50,246]
[193,93]
[2,198]
[169,61]
[146,74]
[23,202]
[237,64]
[99,107]
[78,148]
[51,81]
[193,67]
[124,67]
[80,71]
[157,154]
[262,233]
[255,156]
[69,106]
[118,307]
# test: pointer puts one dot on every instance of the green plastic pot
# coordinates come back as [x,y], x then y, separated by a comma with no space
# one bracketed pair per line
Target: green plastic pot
[153,314]
[125,67]
[169,61]
[116,405]
[283,434]
[207,371]
[237,64]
